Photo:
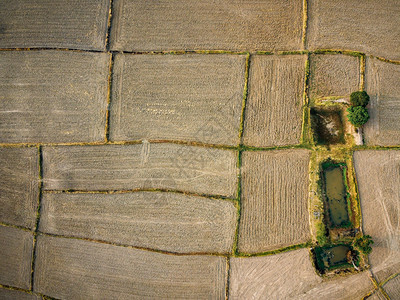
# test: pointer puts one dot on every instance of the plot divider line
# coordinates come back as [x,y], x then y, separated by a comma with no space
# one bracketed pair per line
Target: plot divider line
[36,229]
[153,190]
[244,99]
[109,22]
[305,23]
[109,96]
[228,275]
[362,72]
[99,241]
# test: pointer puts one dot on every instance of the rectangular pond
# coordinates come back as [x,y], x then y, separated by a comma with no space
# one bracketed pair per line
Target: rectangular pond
[327,126]
[333,257]
[336,196]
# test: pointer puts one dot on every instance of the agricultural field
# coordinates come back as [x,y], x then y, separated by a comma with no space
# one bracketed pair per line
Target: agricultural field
[150,91]
[15,257]
[70,268]
[379,187]
[276,85]
[36,24]
[333,75]
[290,275]
[392,288]
[365,26]
[156,220]
[192,25]
[141,166]
[31,87]
[182,149]
[274,202]
[382,84]
[20,184]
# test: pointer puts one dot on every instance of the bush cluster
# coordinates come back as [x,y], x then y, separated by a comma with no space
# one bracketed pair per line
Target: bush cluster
[357,113]
[363,244]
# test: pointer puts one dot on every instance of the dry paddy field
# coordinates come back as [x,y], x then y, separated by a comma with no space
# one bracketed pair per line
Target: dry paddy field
[274,200]
[51,96]
[392,288]
[273,115]
[77,269]
[177,97]
[368,26]
[382,85]
[141,166]
[19,169]
[333,75]
[157,220]
[290,275]
[378,176]
[143,25]
[9,294]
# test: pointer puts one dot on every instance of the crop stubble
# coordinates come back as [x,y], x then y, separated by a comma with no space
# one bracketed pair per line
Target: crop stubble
[378,179]
[383,87]
[70,268]
[274,200]
[157,220]
[273,115]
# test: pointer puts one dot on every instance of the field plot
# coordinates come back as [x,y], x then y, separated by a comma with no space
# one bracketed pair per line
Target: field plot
[19,186]
[56,23]
[274,200]
[69,268]
[290,275]
[333,75]
[378,179]
[164,221]
[196,25]
[392,288]
[177,97]
[53,96]
[383,86]
[141,166]
[280,276]
[377,295]
[15,257]
[365,26]
[275,98]
[6,294]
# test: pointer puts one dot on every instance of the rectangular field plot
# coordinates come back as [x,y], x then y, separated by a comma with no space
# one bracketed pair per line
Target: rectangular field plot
[143,25]
[157,220]
[142,166]
[333,75]
[15,257]
[8,294]
[378,177]
[274,203]
[290,275]
[54,23]
[19,186]
[53,96]
[177,97]
[366,26]
[70,268]
[383,87]
[274,114]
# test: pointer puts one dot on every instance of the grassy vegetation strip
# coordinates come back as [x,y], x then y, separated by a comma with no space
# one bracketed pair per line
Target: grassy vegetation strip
[244,99]
[109,92]
[277,251]
[305,20]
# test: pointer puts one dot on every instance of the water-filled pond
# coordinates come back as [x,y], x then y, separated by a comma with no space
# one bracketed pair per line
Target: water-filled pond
[331,257]
[327,126]
[336,196]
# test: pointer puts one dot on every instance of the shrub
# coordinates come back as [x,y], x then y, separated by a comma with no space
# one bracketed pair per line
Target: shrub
[363,244]
[359,99]
[358,115]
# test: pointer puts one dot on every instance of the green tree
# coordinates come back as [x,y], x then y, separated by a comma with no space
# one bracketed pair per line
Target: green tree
[359,99]
[358,115]
[363,244]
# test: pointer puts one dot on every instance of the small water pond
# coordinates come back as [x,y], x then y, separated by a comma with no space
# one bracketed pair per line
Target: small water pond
[333,257]
[336,196]
[327,126]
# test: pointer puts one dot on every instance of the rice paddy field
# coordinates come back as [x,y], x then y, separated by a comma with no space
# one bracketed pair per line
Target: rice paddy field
[199,149]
